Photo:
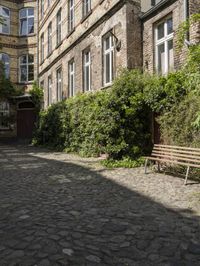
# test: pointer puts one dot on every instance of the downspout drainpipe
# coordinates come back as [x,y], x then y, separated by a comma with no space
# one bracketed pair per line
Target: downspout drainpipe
[37,80]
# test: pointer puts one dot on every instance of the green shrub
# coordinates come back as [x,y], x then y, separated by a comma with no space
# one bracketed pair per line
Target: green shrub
[125,162]
[180,125]
[114,121]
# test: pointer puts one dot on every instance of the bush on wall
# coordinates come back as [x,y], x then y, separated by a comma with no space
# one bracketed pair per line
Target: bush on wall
[114,121]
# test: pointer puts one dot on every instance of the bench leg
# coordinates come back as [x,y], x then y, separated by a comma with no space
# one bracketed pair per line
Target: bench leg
[186,177]
[145,166]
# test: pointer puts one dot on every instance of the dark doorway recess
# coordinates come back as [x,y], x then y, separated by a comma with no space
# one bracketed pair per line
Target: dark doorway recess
[25,120]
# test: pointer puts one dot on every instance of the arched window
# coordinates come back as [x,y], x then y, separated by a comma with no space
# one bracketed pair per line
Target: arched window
[26,18]
[26,68]
[6,61]
[5,14]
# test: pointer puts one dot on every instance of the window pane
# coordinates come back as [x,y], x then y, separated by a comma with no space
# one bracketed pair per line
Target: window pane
[170,55]
[23,59]
[6,25]
[87,78]
[30,58]
[30,72]
[23,26]
[5,12]
[161,58]
[22,13]
[160,31]
[30,12]
[169,26]
[23,70]
[30,25]
[107,65]
[107,43]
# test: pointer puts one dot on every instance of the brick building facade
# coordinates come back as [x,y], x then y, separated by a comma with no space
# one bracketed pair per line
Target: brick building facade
[18,51]
[89,55]
[72,46]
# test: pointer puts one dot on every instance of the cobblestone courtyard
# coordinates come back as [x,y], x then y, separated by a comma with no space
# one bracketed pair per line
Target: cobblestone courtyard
[60,209]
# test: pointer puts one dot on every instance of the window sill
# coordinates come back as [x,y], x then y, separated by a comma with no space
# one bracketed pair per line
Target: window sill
[107,86]
[70,33]
[25,82]
[86,16]
[58,45]
[28,35]
[5,34]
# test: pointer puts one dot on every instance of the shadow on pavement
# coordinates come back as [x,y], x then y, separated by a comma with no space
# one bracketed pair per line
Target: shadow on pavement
[60,213]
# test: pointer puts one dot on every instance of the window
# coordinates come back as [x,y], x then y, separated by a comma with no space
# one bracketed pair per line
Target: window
[26,17]
[42,48]
[42,9]
[49,3]
[50,38]
[108,59]
[86,70]
[26,68]
[4,115]
[5,15]
[86,7]
[6,61]
[71,15]
[71,78]
[58,31]
[164,46]
[59,84]
[49,93]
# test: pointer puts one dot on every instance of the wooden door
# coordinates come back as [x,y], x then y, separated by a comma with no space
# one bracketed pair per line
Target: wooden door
[25,123]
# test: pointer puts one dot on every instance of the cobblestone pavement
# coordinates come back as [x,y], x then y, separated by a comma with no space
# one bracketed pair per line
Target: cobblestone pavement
[59,209]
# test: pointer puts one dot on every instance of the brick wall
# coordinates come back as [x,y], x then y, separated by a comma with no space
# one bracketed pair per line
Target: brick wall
[121,17]
[176,10]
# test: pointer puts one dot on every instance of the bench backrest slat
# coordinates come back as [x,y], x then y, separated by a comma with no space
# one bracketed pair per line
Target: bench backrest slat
[189,156]
[179,151]
[175,158]
[177,154]
[177,147]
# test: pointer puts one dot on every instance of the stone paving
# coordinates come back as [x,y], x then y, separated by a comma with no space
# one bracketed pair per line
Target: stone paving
[60,209]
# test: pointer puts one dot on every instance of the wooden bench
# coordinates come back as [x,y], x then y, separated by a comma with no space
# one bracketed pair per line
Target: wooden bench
[189,157]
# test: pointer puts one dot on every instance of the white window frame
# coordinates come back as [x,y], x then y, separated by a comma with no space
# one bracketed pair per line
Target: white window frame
[42,48]
[6,63]
[86,65]
[4,112]
[6,18]
[27,17]
[59,26]
[110,52]
[49,44]
[49,91]
[71,15]
[165,40]
[59,84]
[71,75]
[27,68]
[42,9]
[86,7]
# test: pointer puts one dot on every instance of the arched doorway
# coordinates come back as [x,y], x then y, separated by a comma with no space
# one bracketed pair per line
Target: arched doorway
[25,119]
